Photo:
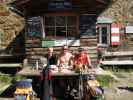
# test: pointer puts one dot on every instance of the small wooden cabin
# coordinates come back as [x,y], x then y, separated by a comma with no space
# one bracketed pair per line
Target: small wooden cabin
[92,24]
[62,22]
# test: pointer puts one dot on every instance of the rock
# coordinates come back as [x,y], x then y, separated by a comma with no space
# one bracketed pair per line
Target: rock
[10,25]
[121,11]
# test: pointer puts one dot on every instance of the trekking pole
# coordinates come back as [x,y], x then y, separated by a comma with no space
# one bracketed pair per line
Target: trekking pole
[80,85]
[47,84]
[50,83]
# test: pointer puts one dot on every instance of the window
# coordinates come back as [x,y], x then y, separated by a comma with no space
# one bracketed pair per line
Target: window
[104,33]
[61,27]
[87,25]
[34,27]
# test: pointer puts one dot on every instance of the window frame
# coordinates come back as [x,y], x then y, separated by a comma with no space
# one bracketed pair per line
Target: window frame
[66,15]
[108,27]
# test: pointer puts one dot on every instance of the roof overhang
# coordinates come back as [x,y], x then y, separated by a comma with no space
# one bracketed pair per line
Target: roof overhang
[41,6]
[104,20]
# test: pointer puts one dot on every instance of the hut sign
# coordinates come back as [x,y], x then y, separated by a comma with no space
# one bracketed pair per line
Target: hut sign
[60,5]
[129,29]
[71,42]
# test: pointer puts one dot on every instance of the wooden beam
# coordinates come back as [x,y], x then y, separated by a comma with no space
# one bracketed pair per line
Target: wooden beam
[21,2]
[11,55]
[102,1]
[122,62]
[11,65]
[120,53]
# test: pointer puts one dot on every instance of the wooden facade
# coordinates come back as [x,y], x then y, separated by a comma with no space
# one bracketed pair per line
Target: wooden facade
[61,22]
[91,24]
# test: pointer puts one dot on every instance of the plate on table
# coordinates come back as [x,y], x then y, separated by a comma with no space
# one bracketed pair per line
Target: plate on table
[52,67]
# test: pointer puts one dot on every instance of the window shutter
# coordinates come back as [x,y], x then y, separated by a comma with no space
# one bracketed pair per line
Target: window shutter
[115,34]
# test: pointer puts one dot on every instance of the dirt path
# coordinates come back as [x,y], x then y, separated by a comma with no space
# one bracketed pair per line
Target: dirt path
[121,90]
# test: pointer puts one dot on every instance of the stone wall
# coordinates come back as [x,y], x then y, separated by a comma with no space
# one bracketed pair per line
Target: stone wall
[11,24]
[121,11]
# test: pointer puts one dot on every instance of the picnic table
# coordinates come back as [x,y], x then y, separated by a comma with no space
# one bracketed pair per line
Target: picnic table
[56,75]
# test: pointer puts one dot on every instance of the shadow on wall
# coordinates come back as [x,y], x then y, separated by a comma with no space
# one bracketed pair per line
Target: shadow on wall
[17,46]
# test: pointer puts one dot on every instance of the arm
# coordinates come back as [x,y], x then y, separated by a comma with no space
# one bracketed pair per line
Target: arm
[58,62]
[89,61]
[71,61]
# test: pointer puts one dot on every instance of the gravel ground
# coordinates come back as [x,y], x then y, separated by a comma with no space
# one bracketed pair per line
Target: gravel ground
[6,99]
[121,90]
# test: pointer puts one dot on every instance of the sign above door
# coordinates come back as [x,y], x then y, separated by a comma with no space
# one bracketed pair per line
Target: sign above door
[56,5]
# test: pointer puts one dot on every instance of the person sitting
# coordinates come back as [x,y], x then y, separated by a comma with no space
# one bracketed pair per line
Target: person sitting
[81,59]
[51,57]
[63,63]
[46,74]
[65,58]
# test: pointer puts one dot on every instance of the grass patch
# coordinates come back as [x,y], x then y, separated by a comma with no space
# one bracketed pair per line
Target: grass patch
[18,78]
[3,86]
[118,68]
[104,80]
[5,78]
[9,79]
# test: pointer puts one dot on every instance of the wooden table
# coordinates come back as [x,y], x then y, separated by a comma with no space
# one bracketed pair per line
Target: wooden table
[28,71]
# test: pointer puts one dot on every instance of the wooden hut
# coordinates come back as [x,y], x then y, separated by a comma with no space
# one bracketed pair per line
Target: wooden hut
[61,22]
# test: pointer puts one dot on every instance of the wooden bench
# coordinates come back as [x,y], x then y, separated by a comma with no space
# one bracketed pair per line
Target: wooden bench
[117,65]
[119,54]
[11,65]
[121,62]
